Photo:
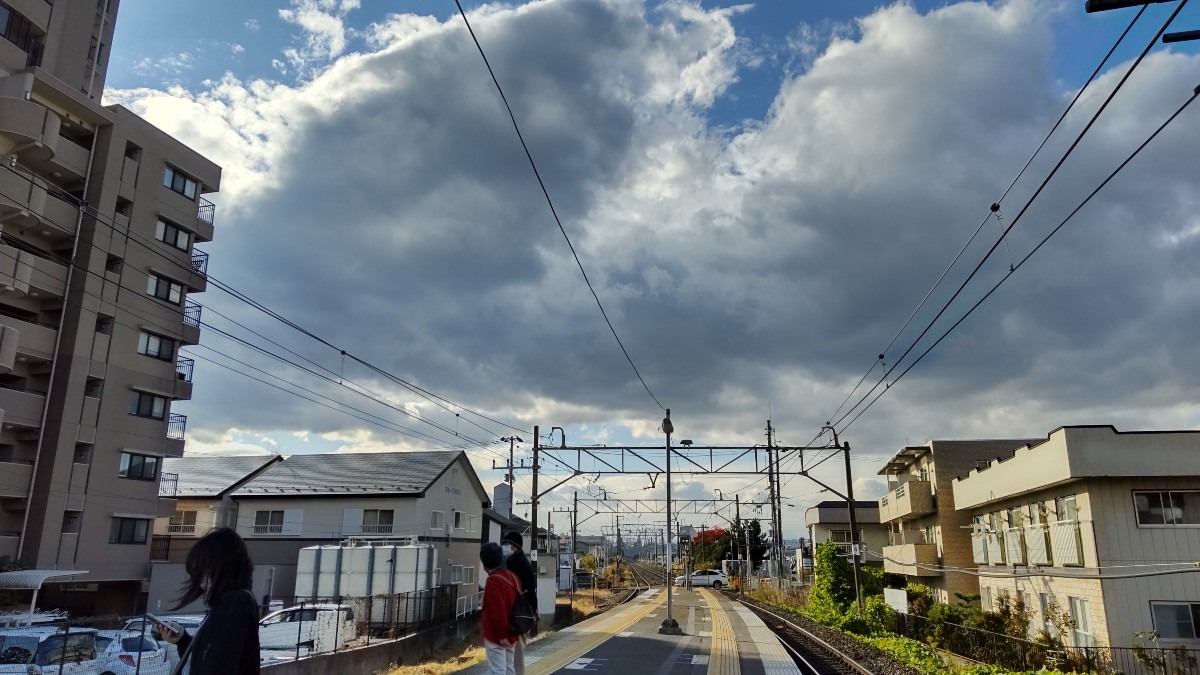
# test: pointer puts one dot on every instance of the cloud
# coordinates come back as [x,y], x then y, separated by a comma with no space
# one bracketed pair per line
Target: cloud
[385,204]
[251,25]
[237,48]
[323,31]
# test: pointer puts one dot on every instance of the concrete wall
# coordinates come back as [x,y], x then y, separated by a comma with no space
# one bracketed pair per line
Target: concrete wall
[381,656]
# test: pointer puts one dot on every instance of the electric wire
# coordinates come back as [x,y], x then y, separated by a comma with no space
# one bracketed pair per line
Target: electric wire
[1045,239]
[1024,209]
[550,202]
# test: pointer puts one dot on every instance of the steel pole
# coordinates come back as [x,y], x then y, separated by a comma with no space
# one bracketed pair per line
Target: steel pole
[669,625]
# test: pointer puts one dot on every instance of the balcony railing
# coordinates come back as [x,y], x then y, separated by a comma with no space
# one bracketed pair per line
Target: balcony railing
[182,529]
[200,262]
[1067,542]
[268,529]
[160,545]
[168,484]
[377,529]
[184,367]
[176,426]
[207,211]
[191,313]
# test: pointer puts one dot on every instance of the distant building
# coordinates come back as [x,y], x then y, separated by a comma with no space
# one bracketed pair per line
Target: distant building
[1097,522]
[927,535]
[830,521]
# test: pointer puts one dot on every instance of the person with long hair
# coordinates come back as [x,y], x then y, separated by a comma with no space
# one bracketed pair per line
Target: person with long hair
[220,571]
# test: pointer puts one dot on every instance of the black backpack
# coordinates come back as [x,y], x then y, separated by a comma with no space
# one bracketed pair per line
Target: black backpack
[522,618]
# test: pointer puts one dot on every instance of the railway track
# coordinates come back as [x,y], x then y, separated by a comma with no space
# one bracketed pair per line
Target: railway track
[812,654]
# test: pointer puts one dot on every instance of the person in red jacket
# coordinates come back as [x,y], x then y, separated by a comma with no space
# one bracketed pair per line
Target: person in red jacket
[499,595]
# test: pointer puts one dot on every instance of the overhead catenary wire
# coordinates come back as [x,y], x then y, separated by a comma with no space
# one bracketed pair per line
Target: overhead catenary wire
[1029,255]
[550,202]
[1024,209]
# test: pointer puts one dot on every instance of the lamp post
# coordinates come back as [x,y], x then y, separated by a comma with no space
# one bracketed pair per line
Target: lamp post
[669,625]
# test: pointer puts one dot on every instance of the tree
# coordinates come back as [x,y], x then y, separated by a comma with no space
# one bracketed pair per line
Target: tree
[588,562]
[833,589]
[758,541]
[710,547]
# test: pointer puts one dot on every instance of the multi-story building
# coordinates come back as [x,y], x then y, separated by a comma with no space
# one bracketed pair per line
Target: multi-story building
[1104,525]
[928,537]
[830,521]
[310,500]
[99,214]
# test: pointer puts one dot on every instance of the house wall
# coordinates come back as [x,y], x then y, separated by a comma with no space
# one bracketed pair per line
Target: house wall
[874,535]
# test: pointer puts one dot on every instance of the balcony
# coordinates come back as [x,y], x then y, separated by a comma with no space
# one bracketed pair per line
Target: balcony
[31,125]
[913,560]
[35,340]
[160,546]
[377,529]
[1014,546]
[908,500]
[61,214]
[27,273]
[183,378]
[176,426]
[1067,543]
[268,529]
[979,548]
[181,529]
[1037,544]
[14,478]
[168,484]
[200,262]
[206,213]
[22,407]
[21,197]
[191,323]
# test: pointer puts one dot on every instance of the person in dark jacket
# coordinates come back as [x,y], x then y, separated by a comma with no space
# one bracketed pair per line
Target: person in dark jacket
[219,570]
[500,593]
[518,564]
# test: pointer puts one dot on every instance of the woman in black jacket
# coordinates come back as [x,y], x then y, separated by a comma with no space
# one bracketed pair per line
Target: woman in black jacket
[220,571]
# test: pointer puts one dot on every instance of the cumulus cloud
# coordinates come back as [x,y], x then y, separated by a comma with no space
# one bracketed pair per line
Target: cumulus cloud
[385,204]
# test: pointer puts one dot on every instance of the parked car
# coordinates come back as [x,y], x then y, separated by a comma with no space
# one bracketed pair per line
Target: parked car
[299,626]
[47,651]
[711,578]
[189,622]
[130,653]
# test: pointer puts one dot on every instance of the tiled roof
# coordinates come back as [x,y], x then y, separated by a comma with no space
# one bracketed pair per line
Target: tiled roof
[362,473]
[210,476]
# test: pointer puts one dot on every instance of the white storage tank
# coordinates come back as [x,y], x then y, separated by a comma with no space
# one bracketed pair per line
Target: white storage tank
[353,570]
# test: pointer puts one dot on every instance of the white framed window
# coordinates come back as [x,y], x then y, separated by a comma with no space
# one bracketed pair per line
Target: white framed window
[173,235]
[985,598]
[1176,620]
[179,182]
[164,289]
[138,467]
[377,521]
[148,405]
[268,522]
[468,575]
[156,346]
[437,520]
[1083,622]
[182,522]
[459,520]
[456,574]
[1167,508]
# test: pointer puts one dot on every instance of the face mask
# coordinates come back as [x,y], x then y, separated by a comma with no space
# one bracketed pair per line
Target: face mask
[507,549]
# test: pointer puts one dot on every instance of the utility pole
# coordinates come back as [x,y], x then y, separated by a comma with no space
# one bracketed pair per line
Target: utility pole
[534,497]
[669,625]
[744,578]
[855,544]
[574,534]
[510,475]
[772,482]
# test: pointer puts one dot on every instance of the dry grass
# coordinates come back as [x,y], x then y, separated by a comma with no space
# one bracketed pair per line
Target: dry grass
[452,658]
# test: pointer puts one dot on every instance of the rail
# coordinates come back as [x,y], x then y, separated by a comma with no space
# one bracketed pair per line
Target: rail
[809,635]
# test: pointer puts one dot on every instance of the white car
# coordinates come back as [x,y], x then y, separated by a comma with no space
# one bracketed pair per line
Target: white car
[130,653]
[710,578]
[303,626]
[47,651]
[189,622]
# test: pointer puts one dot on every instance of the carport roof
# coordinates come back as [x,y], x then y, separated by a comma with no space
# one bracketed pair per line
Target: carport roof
[31,580]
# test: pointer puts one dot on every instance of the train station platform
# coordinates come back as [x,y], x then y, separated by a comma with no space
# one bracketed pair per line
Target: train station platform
[721,637]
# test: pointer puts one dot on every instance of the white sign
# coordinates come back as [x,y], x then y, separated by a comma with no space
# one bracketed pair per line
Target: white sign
[897,599]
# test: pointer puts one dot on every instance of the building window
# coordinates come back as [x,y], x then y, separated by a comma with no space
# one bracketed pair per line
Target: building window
[268,522]
[173,235]
[148,405]
[1176,620]
[377,521]
[459,520]
[19,30]
[138,467]
[985,598]
[164,289]
[180,182]
[1167,507]
[158,347]
[1083,624]
[437,520]
[129,531]
[182,522]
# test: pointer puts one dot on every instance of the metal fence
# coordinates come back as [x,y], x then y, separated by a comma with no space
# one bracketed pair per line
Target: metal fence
[1017,654]
[303,628]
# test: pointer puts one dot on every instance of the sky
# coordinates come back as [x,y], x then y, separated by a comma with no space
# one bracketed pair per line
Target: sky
[762,195]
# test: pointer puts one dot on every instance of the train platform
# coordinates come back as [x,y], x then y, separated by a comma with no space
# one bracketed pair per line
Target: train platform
[720,637]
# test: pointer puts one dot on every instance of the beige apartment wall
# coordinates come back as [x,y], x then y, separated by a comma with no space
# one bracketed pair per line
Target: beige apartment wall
[875,536]
[1120,540]
[1060,591]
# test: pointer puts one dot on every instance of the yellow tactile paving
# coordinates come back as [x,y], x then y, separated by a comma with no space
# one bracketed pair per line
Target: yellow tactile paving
[593,636]
[723,659]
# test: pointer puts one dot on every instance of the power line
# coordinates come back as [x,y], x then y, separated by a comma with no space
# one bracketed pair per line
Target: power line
[1023,211]
[554,212]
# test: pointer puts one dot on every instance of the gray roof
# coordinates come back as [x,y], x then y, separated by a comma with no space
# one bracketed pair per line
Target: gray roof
[213,476]
[364,473]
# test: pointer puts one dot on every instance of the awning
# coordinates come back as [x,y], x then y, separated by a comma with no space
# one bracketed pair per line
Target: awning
[31,580]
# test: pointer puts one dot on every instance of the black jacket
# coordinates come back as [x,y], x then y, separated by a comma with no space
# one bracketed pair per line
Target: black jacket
[519,565]
[227,642]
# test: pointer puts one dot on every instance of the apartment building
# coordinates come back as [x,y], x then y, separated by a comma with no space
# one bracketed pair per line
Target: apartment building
[1097,522]
[309,500]
[99,215]
[830,521]
[926,533]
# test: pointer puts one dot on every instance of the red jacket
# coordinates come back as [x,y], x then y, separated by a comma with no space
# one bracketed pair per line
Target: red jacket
[499,595]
